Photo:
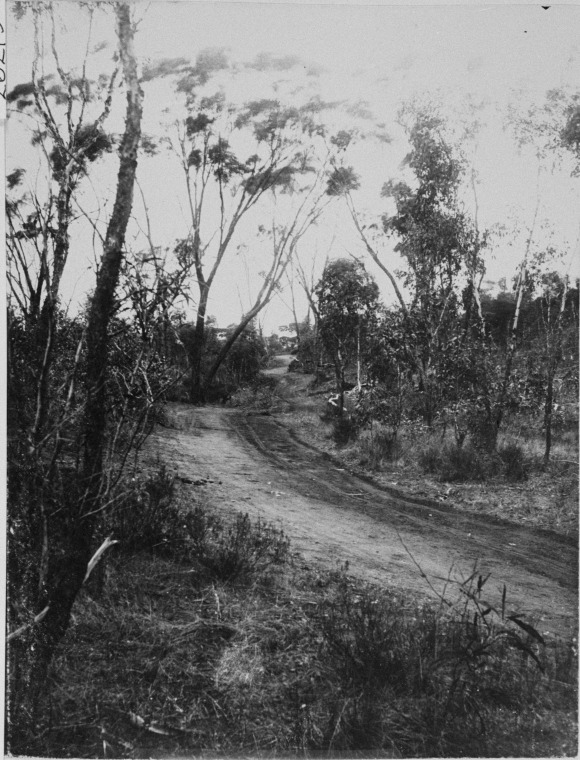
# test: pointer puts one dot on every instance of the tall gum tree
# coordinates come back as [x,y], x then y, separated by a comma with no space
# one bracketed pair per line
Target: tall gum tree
[545,131]
[234,158]
[437,240]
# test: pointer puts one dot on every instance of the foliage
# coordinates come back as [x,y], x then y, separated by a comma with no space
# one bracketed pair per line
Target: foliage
[245,359]
[273,344]
[298,659]
[145,519]
[344,429]
[343,179]
[570,134]
[514,463]
[260,394]
[237,551]
[242,363]
[549,128]
[439,244]
[308,353]
[455,657]
[67,450]
[376,446]
[347,301]
[458,463]
[285,156]
[346,297]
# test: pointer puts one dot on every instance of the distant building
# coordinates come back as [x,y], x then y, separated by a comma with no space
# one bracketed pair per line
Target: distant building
[289,342]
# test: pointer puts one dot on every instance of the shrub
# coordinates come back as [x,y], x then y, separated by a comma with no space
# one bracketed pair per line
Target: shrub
[362,634]
[146,518]
[513,461]
[236,551]
[457,463]
[231,551]
[344,430]
[378,447]
[460,665]
[258,397]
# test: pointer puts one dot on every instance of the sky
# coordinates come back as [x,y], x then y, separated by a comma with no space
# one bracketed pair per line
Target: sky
[376,55]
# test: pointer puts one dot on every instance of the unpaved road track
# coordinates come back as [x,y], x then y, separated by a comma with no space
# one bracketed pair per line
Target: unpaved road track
[251,463]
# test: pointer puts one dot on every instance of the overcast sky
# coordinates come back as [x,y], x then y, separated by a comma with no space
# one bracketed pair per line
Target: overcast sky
[378,54]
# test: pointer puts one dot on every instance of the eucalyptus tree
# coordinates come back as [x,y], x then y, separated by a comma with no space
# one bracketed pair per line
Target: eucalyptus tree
[67,113]
[57,492]
[546,132]
[439,244]
[557,310]
[347,304]
[268,155]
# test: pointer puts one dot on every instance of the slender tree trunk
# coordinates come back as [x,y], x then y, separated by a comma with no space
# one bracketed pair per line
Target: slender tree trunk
[67,570]
[358,360]
[44,353]
[554,352]
[339,365]
[102,301]
[196,355]
[548,413]
[226,347]
[46,327]
[297,326]
[512,340]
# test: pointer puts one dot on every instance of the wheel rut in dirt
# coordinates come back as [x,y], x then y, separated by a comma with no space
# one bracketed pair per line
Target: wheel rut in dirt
[252,464]
[319,476]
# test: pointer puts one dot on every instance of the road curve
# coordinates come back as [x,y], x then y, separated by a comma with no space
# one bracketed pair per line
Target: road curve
[252,463]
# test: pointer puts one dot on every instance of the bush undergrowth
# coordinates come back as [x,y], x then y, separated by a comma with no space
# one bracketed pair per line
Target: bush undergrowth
[233,551]
[452,463]
[344,430]
[145,517]
[225,644]
[378,447]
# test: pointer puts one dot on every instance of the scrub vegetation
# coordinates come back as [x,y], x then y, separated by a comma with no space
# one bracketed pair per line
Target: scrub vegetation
[142,620]
[217,637]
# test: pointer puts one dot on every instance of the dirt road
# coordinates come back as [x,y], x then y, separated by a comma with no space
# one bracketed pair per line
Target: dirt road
[251,463]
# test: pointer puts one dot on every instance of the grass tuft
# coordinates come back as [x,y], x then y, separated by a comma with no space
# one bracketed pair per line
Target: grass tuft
[377,447]
[236,551]
[514,462]
[452,463]
[344,430]
[145,518]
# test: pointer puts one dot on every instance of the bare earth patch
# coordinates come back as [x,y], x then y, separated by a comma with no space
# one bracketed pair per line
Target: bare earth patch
[545,500]
[251,463]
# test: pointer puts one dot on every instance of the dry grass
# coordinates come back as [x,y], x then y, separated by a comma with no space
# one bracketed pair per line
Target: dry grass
[547,498]
[170,659]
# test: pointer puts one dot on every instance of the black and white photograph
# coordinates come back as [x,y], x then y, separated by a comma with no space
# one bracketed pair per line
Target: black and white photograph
[291,335]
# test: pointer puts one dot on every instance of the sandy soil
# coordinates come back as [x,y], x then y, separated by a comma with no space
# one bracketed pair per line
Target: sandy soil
[249,462]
